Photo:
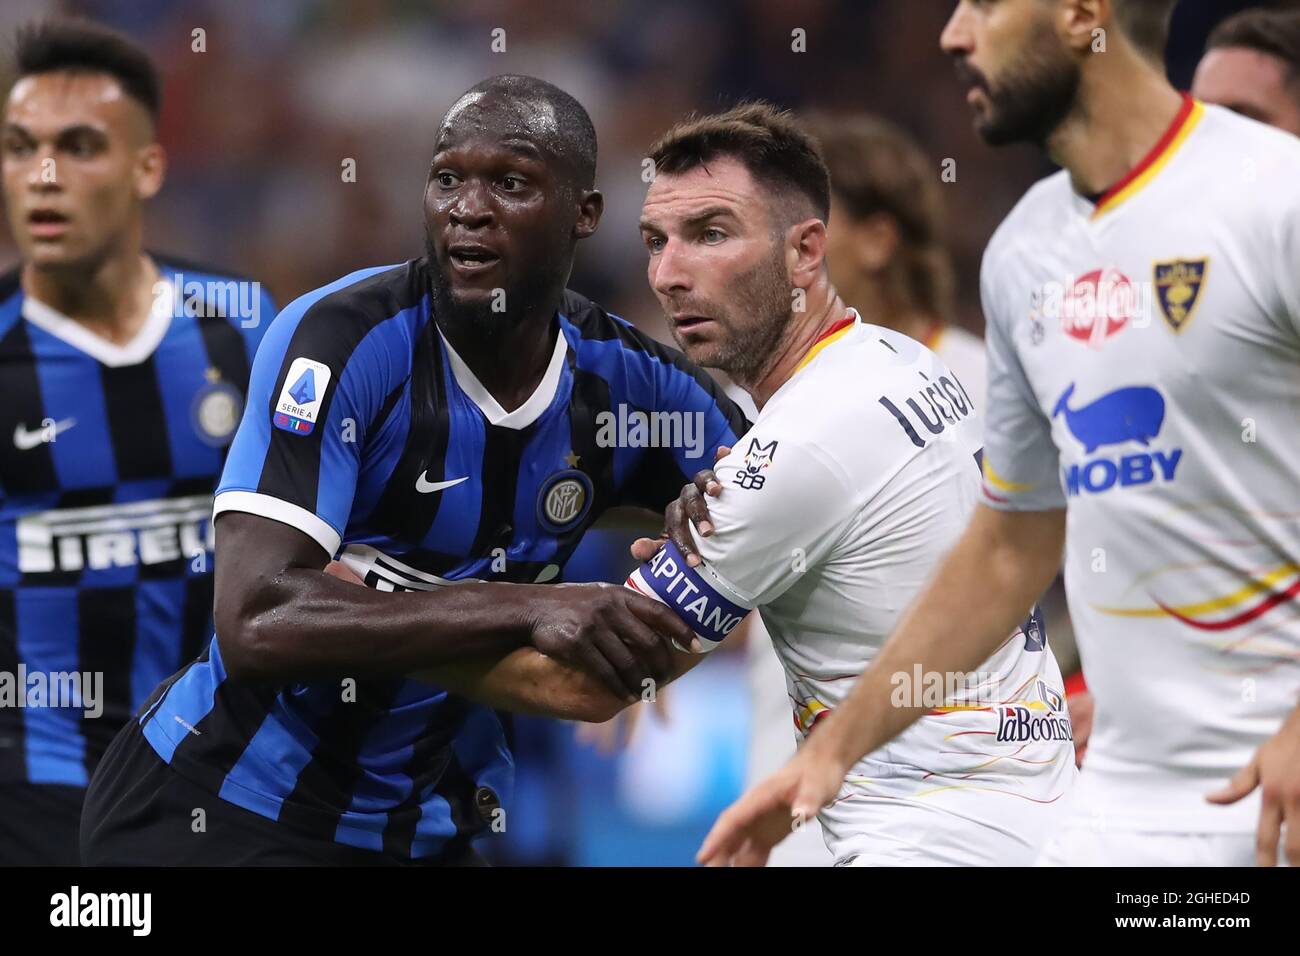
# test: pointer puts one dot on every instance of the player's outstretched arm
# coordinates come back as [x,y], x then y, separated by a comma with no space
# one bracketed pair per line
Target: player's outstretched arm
[525,681]
[279,618]
[980,592]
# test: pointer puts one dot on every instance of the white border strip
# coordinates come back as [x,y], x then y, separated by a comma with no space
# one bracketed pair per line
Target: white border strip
[530,410]
[266,506]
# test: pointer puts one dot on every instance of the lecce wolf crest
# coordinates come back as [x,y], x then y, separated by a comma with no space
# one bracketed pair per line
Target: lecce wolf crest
[757,460]
[1178,288]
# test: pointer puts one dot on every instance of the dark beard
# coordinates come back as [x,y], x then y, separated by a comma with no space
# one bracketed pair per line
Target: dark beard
[1031,101]
[476,318]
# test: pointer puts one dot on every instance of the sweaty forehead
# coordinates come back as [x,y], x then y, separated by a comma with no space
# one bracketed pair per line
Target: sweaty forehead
[52,101]
[487,114]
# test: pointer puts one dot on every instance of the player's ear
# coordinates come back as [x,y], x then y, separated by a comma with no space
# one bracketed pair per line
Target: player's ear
[806,251]
[150,170]
[590,205]
[1082,22]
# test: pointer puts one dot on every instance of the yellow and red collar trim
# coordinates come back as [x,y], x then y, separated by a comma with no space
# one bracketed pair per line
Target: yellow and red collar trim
[831,335]
[1188,118]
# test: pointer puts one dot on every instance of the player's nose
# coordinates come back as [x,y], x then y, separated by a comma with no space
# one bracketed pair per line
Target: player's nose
[956,37]
[473,206]
[43,173]
[670,271]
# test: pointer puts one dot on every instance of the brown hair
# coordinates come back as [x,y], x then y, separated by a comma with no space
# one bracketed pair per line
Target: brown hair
[875,167]
[766,140]
[1275,32]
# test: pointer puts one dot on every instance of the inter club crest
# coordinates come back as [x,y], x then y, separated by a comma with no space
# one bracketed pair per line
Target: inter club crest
[564,500]
[1178,289]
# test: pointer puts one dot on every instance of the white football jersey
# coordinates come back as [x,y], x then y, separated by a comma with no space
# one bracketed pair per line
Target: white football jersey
[858,475]
[1144,374]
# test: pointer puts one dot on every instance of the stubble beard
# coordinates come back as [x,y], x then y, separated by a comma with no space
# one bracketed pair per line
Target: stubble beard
[762,301]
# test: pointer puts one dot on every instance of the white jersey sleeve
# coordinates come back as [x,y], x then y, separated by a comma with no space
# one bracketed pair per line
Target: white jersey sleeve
[775,518]
[776,515]
[1020,464]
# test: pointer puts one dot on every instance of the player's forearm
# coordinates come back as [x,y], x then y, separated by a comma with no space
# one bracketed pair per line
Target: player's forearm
[525,681]
[304,624]
[982,590]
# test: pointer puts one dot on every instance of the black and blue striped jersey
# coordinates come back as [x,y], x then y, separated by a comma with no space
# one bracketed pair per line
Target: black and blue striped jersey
[109,455]
[367,431]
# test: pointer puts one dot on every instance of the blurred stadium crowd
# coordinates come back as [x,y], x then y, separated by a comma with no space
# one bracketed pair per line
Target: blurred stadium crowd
[258,187]
[265,101]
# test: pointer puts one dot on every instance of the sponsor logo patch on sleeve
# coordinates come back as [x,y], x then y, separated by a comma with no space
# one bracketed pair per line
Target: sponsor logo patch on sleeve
[301,397]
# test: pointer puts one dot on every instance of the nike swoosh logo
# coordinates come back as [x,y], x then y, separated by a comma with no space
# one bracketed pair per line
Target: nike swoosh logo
[25,440]
[423,485]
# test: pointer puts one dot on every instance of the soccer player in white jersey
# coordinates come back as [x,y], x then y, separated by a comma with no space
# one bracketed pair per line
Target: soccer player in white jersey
[1143,310]
[1252,66]
[887,258]
[857,476]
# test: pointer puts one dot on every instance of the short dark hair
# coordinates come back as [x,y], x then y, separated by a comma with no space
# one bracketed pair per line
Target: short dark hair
[768,141]
[1275,32]
[1146,24]
[876,168]
[575,134]
[77,45]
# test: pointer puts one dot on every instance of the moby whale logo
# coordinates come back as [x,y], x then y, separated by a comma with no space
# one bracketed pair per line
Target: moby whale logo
[1132,414]
[1126,414]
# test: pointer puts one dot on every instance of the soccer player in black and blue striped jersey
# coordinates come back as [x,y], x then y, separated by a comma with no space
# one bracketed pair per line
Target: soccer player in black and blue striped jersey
[447,429]
[122,379]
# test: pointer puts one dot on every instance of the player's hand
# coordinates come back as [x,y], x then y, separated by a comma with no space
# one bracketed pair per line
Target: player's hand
[617,732]
[690,506]
[770,811]
[1081,710]
[1275,769]
[618,636]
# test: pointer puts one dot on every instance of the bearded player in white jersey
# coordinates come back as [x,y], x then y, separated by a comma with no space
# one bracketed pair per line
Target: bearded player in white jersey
[887,258]
[859,473]
[1143,309]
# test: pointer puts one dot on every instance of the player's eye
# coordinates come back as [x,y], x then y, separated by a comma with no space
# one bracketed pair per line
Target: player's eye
[654,244]
[512,184]
[17,147]
[447,180]
[82,145]
[712,236]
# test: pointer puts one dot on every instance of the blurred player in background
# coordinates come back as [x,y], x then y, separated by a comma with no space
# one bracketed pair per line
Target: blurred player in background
[858,475]
[887,254]
[1143,308]
[1252,65]
[446,421]
[123,379]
